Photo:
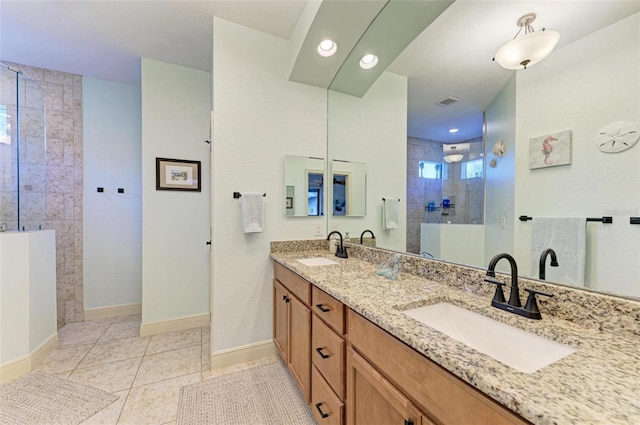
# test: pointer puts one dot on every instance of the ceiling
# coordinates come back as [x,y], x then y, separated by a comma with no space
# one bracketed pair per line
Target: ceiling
[452,57]
[105,39]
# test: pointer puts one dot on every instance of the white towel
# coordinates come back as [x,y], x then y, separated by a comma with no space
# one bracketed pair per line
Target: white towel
[251,207]
[391,213]
[567,237]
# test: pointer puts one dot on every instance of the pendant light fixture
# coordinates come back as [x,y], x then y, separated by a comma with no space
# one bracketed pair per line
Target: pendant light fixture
[528,49]
[453,155]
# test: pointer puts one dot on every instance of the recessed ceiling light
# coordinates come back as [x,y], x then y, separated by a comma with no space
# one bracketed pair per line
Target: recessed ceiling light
[327,48]
[453,130]
[368,61]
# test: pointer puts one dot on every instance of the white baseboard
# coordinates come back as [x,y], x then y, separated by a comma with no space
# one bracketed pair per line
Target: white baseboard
[112,311]
[244,353]
[25,364]
[172,325]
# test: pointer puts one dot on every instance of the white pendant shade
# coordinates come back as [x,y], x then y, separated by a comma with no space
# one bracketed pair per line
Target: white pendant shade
[453,158]
[527,50]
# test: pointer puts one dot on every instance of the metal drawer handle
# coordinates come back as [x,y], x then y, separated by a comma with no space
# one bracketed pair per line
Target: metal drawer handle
[322,308]
[323,355]
[322,414]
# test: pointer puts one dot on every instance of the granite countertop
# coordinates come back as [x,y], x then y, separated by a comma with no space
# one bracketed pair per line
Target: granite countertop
[598,384]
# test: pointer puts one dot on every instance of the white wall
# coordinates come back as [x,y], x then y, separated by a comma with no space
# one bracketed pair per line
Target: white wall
[176,113]
[373,130]
[259,117]
[499,181]
[581,87]
[112,236]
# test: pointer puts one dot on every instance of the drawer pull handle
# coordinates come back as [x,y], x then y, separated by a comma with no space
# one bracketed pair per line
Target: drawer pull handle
[323,355]
[322,308]
[322,414]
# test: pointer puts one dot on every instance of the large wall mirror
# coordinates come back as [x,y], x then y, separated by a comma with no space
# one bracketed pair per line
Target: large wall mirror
[303,186]
[590,80]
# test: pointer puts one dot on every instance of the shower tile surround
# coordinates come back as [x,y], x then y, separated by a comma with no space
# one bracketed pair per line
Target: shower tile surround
[63,191]
[420,190]
[603,328]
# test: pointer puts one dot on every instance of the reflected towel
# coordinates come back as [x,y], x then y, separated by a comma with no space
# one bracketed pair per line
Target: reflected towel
[567,237]
[391,213]
[251,210]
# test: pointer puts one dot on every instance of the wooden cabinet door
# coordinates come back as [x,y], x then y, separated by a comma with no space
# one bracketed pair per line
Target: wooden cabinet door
[300,345]
[280,320]
[371,399]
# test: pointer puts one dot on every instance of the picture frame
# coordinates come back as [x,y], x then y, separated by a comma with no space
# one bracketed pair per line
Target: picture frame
[550,150]
[178,174]
[289,203]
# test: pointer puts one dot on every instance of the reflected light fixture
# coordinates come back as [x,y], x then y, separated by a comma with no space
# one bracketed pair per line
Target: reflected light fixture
[327,48]
[368,61]
[528,49]
[453,130]
[453,156]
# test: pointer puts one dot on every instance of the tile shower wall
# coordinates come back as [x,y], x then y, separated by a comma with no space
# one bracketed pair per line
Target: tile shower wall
[467,194]
[64,183]
[420,190]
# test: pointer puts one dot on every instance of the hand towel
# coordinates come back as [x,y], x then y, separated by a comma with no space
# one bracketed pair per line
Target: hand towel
[567,237]
[251,210]
[391,213]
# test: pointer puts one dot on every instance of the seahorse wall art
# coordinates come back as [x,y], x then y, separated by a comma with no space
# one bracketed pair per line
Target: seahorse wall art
[550,150]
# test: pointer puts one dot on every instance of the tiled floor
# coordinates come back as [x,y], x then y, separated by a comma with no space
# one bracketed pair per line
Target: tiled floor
[146,372]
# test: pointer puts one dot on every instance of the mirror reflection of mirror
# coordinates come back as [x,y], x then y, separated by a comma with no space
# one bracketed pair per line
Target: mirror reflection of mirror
[349,189]
[304,186]
[575,88]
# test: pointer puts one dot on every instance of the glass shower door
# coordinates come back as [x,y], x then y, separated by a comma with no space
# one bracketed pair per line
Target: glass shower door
[23,175]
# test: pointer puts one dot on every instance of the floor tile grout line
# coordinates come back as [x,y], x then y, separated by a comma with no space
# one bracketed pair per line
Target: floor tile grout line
[92,347]
[133,380]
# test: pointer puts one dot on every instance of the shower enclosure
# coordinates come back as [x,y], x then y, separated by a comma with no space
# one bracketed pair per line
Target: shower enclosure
[23,169]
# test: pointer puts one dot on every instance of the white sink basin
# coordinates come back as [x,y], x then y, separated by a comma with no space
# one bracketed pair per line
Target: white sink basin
[514,347]
[316,261]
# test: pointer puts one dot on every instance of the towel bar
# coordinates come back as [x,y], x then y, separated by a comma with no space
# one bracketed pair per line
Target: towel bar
[384,199]
[605,219]
[236,195]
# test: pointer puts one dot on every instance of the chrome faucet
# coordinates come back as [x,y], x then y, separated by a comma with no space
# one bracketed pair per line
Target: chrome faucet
[362,235]
[543,259]
[514,305]
[341,251]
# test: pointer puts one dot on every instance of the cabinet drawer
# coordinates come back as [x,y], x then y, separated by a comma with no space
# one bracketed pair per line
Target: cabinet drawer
[327,353]
[329,309]
[294,283]
[325,405]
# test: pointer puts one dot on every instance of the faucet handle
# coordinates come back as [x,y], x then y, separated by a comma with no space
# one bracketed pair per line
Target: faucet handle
[499,295]
[532,305]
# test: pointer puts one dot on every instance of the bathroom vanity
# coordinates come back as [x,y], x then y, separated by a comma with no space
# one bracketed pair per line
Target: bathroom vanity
[366,361]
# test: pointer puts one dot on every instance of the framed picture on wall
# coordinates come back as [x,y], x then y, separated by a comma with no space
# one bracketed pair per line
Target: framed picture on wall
[177,174]
[550,150]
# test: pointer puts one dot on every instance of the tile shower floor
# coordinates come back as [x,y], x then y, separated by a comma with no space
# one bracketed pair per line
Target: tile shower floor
[146,372]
